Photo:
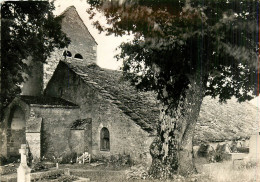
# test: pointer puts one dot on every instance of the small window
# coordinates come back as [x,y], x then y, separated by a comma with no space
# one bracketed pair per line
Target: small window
[104,140]
[78,56]
[67,54]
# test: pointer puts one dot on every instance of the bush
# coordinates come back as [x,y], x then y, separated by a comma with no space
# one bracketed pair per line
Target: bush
[137,172]
[14,159]
[39,166]
[3,161]
[219,156]
[242,149]
[69,158]
[121,160]
[203,150]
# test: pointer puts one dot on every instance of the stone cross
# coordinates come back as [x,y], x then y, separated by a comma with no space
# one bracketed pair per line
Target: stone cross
[23,171]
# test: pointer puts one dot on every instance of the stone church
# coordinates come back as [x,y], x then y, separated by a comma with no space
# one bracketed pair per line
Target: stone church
[73,105]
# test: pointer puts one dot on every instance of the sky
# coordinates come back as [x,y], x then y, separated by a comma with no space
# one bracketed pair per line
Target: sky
[106,44]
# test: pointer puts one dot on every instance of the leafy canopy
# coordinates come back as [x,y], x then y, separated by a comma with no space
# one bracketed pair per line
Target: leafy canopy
[213,42]
[27,29]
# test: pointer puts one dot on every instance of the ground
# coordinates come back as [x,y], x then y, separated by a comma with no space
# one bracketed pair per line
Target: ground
[215,172]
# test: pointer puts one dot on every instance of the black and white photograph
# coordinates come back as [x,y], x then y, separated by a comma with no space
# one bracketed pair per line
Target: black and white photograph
[130,90]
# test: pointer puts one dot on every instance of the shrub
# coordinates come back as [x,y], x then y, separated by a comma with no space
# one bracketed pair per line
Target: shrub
[3,161]
[39,166]
[137,172]
[219,156]
[14,159]
[121,160]
[243,149]
[69,158]
[203,150]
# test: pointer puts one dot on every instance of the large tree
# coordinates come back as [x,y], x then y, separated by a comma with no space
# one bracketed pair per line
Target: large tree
[184,51]
[28,28]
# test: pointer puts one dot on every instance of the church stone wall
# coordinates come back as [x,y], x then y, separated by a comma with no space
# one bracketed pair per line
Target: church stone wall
[78,141]
[34,142]
[48,131]
[55,132]
[126,137]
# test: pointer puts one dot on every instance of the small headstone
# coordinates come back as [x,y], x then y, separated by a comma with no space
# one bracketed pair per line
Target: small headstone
[67,171]
[23,171]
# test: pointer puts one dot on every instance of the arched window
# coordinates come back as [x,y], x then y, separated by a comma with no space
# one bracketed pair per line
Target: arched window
[104,140]
[67,54]
[78,56]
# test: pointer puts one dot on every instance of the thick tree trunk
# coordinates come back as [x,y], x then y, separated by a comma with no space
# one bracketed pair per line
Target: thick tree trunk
[172,150]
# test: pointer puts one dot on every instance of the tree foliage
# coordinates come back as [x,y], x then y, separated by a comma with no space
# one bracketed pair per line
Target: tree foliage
[215,40]
[184,50]
[27,29]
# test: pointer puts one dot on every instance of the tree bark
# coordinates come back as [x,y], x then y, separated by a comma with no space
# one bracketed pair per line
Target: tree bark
[172,149]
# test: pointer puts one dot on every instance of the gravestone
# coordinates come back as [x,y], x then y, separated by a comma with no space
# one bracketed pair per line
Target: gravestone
[254,146]
[23,171]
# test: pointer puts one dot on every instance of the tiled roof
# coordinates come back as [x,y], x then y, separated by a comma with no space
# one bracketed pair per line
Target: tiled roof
[227,121]
[217,122]
[140,106]
[46,100]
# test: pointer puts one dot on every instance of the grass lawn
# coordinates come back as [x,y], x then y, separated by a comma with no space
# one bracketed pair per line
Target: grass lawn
[207,172]
[213,172]
[226,172]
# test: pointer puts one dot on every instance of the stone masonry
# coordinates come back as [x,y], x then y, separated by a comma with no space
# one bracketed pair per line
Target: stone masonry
[126,137]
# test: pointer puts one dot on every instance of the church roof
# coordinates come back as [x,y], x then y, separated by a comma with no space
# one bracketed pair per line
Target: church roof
[141,107]
[46,101]
[216,122]
[227,121]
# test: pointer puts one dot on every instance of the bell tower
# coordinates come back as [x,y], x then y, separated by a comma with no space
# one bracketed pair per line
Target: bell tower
[81,50]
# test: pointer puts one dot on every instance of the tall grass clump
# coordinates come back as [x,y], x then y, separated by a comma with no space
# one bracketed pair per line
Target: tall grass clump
[241,171]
